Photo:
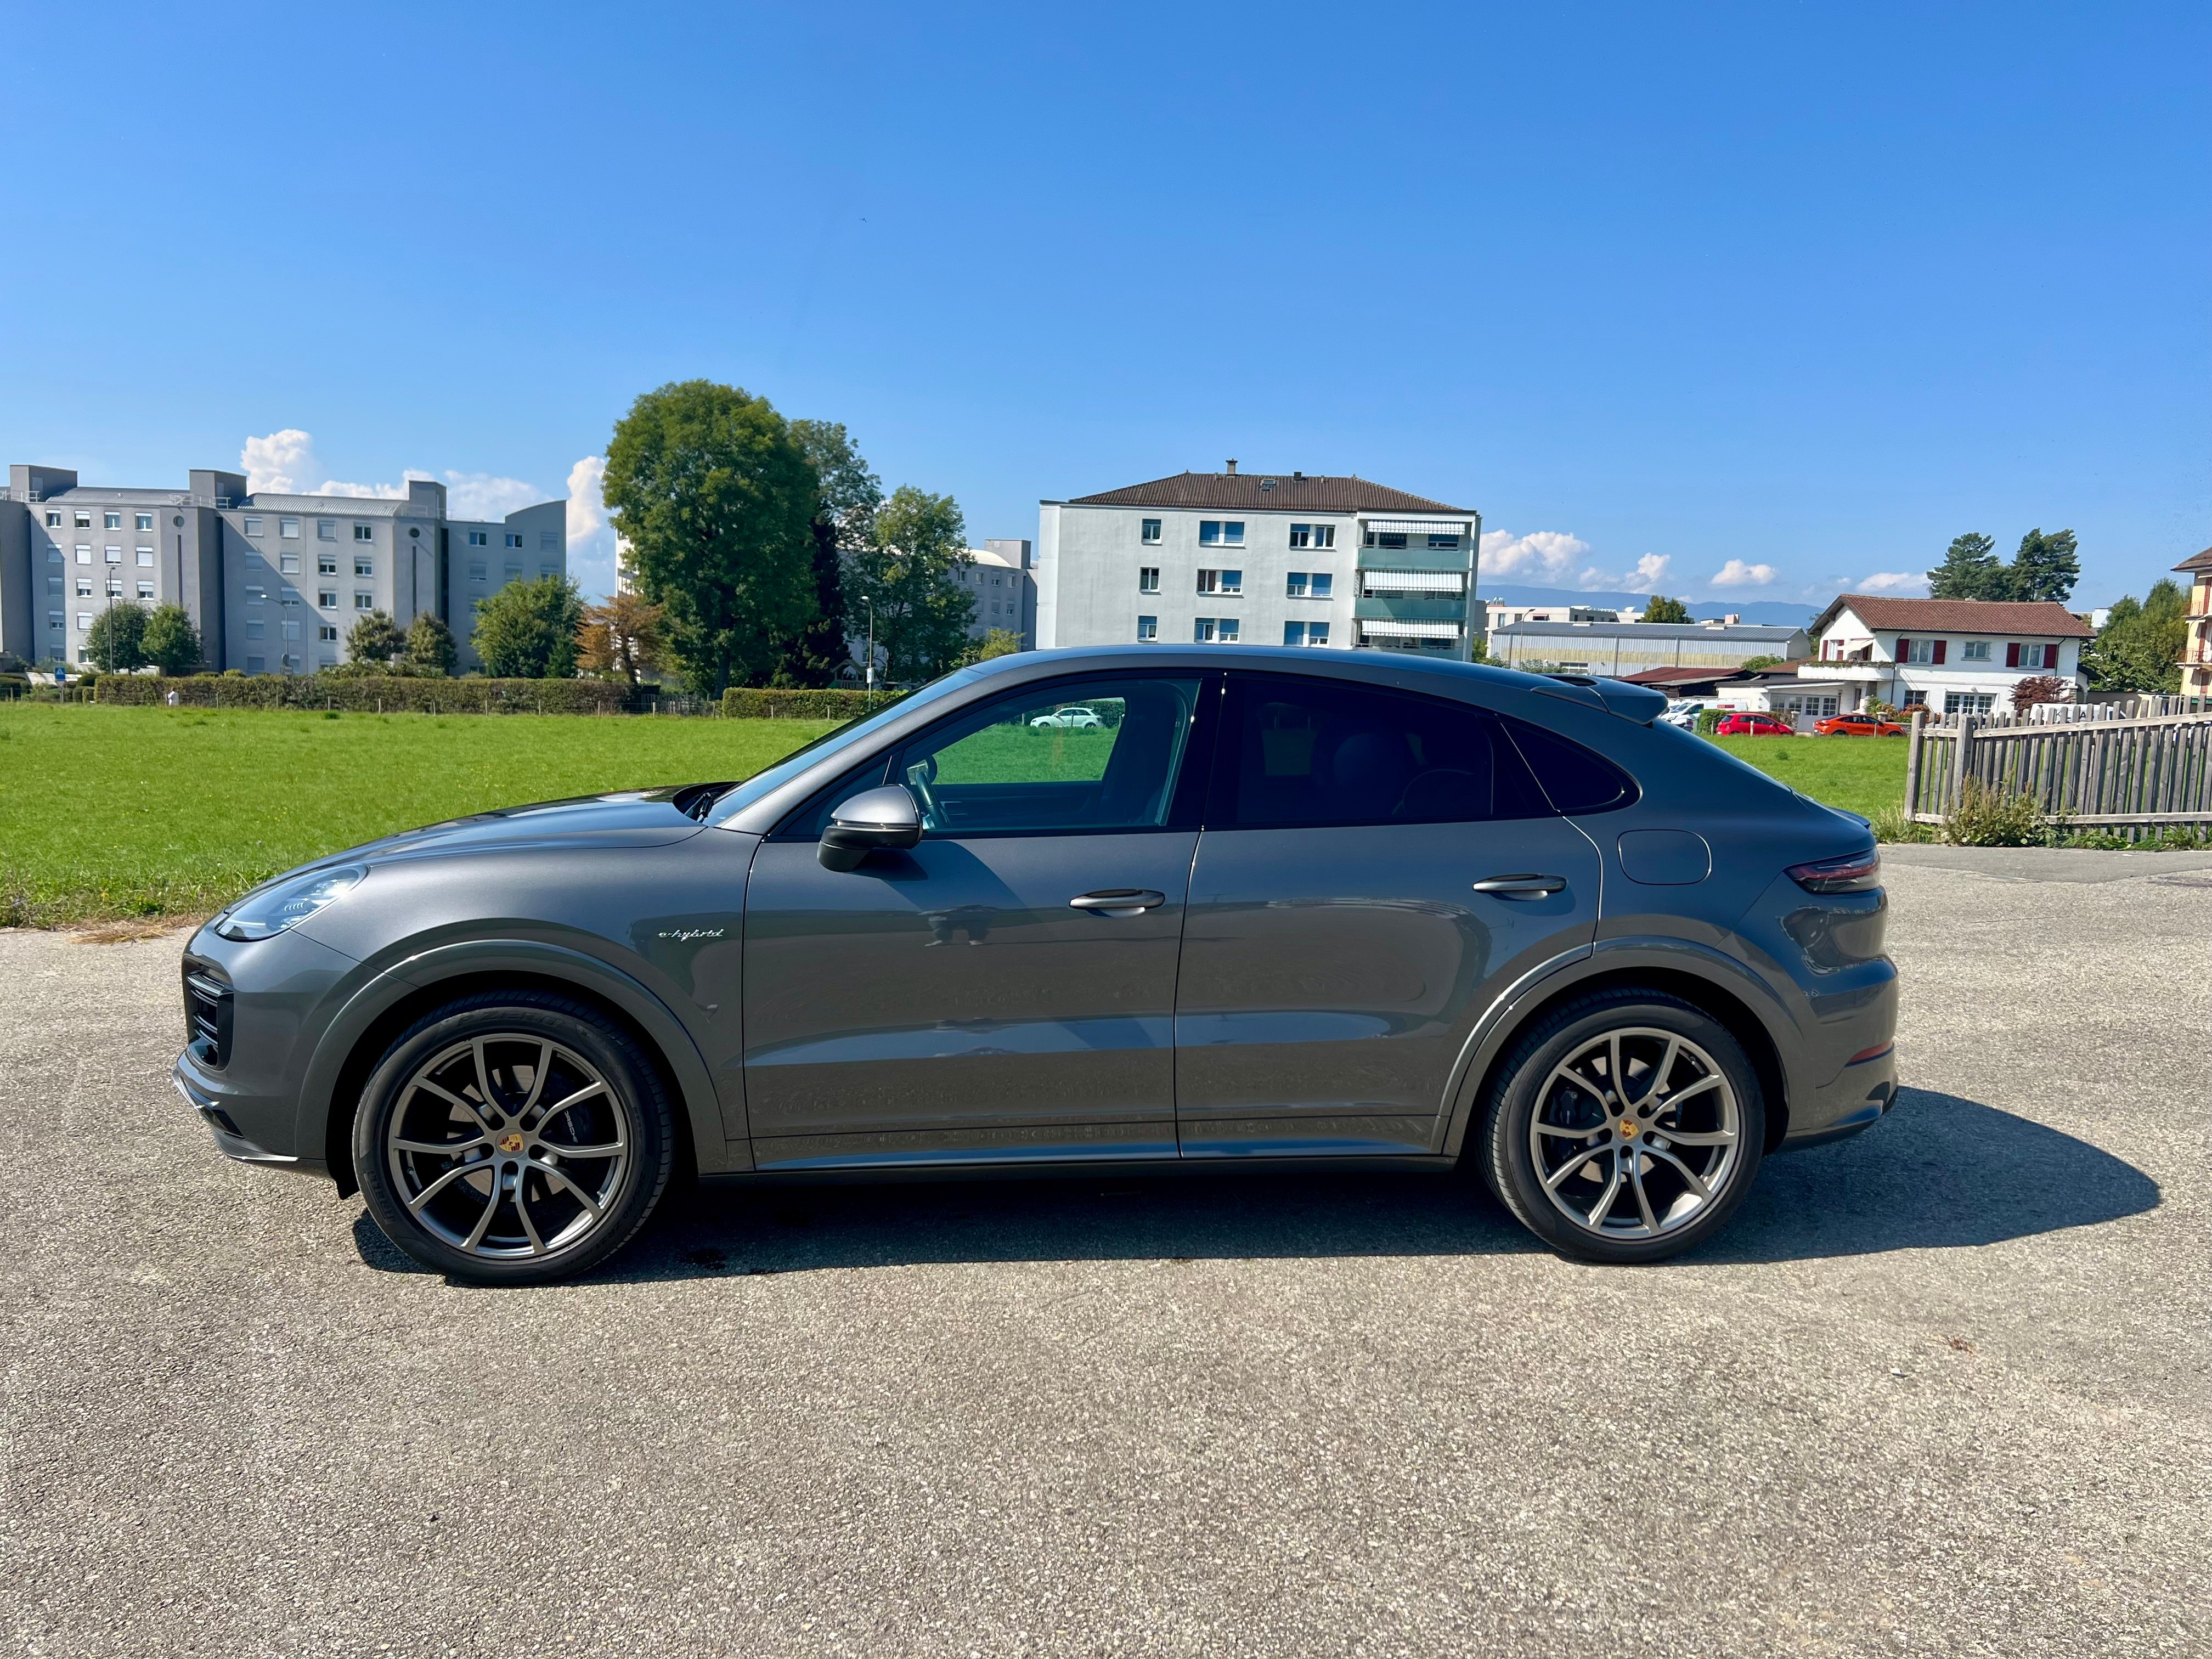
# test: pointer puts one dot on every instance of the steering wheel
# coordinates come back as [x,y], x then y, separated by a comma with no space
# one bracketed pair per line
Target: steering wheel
[918,780]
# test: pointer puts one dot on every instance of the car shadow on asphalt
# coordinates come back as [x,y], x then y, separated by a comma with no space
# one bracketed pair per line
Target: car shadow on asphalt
[1940,1173]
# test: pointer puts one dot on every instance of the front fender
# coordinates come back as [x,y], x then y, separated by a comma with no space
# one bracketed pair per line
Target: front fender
[718,1136]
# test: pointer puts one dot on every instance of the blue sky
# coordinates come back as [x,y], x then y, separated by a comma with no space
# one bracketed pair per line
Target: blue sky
[1811,289]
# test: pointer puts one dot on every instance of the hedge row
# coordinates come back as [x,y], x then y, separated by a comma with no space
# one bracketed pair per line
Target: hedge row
[389,693]
[748,703]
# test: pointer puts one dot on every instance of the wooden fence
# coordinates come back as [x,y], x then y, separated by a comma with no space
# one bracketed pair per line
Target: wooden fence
[2127,776]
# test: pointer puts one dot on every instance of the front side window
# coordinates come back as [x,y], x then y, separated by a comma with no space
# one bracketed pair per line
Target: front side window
[1317,753]
[1152,532]
[1220,532]
[1101,755]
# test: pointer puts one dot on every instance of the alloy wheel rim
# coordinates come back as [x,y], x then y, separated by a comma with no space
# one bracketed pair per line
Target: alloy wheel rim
[1636,1134]
[509,1147]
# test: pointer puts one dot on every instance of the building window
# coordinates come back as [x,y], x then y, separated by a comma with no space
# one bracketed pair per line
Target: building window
[362,532]
[256,664]
[83,520]
[1443,544]
[1967,702]
[54,618]
[479,539]
[288,529]
[1226,629]
[327,598]
[1313,535]
[1148,579]
[476,572]
[254,593]
[53,521]
[1386,538]
[323,630]
[512,573]
[251,525]
[1316,633]
[326,564]
[1202,631]
[364,601]
[83,553]
[291,630]
[146,558]
[513,539]
[548,572]
[326,529]
[289,563]
[84,622]
[549,541]
[145,520]
[363,566]
[1974,651]
[1151,533]
[145,588]
[2031,656]
[1308,585]
[1148,627]
[1220,532]
[1221,582]
[110,520]
[254,630]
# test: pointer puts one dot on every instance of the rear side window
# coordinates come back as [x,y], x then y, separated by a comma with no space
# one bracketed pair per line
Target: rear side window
[1576,779]
[1315,753]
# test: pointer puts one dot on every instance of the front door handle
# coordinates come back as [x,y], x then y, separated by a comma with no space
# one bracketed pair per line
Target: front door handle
[1523,887]
[1119,901]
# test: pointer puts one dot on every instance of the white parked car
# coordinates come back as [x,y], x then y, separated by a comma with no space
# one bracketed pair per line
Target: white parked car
[1683,711]
[1076,716]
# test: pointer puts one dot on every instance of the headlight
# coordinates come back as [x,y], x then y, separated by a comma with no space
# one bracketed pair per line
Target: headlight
[287,904]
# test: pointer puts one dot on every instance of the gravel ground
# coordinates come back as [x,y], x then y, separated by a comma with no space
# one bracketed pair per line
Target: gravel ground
[1940,1390]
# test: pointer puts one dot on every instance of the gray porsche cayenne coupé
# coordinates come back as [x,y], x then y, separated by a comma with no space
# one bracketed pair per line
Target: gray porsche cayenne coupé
[1102,909]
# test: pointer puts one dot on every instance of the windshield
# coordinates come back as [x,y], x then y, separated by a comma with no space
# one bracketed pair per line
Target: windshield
[853,731]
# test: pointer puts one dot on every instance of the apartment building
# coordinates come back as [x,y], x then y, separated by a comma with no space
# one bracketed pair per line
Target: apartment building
[273,582]
[2196,643]
[1949,656]
[1002,577]
[1279,558]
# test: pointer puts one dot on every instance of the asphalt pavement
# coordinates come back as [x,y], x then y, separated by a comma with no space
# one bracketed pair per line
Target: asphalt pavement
[1941,1389]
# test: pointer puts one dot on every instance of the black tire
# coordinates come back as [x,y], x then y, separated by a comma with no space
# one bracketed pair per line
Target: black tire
[1623,1171]
[592,1206]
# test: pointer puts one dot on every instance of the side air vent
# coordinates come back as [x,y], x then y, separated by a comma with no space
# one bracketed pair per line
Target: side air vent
[207,1018]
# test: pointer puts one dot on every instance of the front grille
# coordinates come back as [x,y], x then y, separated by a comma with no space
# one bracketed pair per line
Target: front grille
[207,1018]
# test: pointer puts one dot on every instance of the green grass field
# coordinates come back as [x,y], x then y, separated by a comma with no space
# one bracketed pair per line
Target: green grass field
[107,813]
[110,812]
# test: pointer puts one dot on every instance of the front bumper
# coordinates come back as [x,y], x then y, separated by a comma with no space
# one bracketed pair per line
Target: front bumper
[186,1079]
[1854,1102]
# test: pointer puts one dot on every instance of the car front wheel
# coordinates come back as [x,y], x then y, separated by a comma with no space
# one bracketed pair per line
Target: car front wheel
[1626,1127]
[512,1138]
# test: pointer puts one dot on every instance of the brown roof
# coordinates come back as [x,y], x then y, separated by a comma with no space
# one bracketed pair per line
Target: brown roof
[1676,676]
[2042,618]
[1272,492]
[2200,562]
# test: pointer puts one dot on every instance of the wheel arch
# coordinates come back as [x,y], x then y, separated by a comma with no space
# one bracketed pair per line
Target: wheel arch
[1732,1006]
[380,1011]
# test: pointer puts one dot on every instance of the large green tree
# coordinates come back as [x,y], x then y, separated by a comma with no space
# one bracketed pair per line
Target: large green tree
[430,647]
[906,577]
[1664,609]
[1970,570]
[171,643]
[715,498]
[2139,648]
[373,640]
[117,641]
[527,630]
[2044,568]
[848,496]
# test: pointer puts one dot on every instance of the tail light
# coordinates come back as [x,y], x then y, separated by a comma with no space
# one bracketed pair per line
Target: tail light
[1855,872]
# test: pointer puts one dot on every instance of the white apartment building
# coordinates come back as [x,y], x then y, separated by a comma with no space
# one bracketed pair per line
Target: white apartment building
[273,582]
[1001,575]
[1950,656]
[1249,558]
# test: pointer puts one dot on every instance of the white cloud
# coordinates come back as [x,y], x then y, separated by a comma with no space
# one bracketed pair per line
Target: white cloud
[1893,581]
[587,507]
[279,462]
[484,496]
[1650,570]
[1736,574]
[1551,553]
[375,492]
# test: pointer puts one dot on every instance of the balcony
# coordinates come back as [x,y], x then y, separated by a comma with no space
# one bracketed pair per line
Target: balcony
[1405,607]
[1416,558]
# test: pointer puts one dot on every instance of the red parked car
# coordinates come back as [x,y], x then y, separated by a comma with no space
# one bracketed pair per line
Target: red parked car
[1857,726]
[1754,725]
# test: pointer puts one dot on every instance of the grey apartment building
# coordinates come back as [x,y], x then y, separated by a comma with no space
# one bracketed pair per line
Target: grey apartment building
[273,582]
[1001,576]
[1277,558]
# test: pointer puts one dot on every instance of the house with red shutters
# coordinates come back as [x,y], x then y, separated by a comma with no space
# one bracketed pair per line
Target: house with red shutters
[1950,656]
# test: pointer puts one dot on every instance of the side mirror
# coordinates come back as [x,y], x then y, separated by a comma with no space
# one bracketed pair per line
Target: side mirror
[875,820]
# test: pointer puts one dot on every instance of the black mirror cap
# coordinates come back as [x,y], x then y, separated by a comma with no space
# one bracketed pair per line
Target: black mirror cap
[845,846]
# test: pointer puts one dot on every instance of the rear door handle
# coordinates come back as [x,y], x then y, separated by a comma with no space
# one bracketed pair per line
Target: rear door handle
[1523,887]
[1119,901]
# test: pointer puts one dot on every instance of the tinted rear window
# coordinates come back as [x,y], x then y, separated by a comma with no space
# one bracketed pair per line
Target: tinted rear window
[1576,778]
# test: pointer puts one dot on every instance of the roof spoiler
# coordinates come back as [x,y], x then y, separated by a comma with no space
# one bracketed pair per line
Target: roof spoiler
[1639,703]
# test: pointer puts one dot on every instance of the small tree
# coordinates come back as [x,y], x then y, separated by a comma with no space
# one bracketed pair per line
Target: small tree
[1752,664]
[2139,648]
[621,639]
[2039,688]
[171,644]
[117,643]
[908,575]
[995,642]
[527,630]
[430,647]
[373,640]
[846,501]
[1664,609]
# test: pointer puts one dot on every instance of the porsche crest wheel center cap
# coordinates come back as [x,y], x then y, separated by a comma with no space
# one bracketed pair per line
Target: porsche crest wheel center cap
[1629,1126]
[511,1144]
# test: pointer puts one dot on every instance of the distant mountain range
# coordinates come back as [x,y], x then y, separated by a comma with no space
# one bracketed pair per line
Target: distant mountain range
[1765,612]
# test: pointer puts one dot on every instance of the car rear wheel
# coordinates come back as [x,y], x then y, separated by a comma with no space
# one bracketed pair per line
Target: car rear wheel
[1626,1127]
[512,1138]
